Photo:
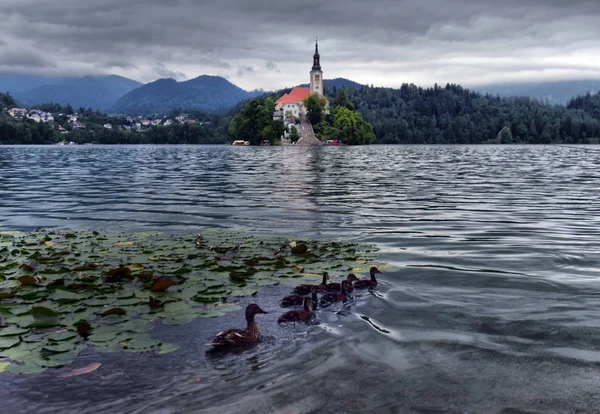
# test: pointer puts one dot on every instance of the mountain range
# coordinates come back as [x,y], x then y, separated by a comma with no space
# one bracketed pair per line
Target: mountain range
[119,95]
[96,92]
[205,93]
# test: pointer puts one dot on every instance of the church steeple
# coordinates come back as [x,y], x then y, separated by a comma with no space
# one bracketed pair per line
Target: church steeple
[316,57]
[316,74]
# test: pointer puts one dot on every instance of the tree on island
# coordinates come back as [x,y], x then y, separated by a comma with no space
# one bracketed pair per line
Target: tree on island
[255,122]
[293,135]
[315,108]
[344,123]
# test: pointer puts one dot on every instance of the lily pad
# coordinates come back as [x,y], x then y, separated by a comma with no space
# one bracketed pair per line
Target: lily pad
[44,317]
[163,283]
[3,366]
[8,342]
[12,331]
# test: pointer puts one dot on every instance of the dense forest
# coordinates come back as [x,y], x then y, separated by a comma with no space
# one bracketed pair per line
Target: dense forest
[455,115]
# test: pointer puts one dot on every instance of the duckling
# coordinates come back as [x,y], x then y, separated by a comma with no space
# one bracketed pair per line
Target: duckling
[368,283]
[297,300]
[233,338]
[305,289]
[335,286]
[341,296]
[302,315]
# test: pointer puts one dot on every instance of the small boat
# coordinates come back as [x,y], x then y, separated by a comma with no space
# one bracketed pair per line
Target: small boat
[265,143]
[239,142]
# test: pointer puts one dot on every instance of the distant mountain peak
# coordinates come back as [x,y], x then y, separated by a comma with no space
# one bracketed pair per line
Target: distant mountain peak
[90,91]
[205,92]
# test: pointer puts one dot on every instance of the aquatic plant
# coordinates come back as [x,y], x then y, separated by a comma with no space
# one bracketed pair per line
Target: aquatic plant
[62,291]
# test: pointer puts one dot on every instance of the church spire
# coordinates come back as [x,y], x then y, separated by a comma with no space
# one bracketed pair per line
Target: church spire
[316,57]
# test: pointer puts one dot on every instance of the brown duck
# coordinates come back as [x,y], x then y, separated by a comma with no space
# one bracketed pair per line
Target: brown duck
[336,286]
[302,315]
[331,297]
[305,289]
[368,283]
[297,300]
[233,338]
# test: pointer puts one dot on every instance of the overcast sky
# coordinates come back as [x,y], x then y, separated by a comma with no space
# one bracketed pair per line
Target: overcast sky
[269,44]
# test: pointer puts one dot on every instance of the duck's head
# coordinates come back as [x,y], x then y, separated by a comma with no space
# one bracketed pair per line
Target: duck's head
[346,287]
[374,270]
[325,277]
[352,278]
[252,310]
[308,304]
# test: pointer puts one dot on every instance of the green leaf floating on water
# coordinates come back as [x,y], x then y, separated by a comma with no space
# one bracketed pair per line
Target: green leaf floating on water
[44,317]
[62,291]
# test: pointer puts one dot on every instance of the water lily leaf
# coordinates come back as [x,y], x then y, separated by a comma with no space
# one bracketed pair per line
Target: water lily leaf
[163,283]
[8,342]
[25,369]
[135,325]
[141,343]
[244,291]
[63,296]
[62,336]
[128,302]
[114,311]
[81,371]
[26,267]
[165,349]
[7,294]
[3,366]
[56,348]
[44,317]
[12,331]
[116,274]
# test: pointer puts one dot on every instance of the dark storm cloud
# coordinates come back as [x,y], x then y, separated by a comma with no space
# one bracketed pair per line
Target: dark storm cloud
[380,41]
[23,59]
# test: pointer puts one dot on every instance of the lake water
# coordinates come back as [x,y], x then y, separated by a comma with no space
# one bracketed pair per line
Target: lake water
[491,303]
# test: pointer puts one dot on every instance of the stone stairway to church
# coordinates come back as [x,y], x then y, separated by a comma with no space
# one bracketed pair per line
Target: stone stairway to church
[306,132]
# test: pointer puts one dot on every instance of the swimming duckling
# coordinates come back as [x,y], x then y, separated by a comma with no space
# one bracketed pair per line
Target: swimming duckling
[336,286]
[299,315]
[233,338]
[297,300]
[368,283]
[341,296]
[305,289]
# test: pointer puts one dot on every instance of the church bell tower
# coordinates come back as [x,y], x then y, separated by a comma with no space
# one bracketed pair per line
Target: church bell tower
[316,74]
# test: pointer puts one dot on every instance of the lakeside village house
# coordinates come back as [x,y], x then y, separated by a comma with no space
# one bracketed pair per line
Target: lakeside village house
[291,105]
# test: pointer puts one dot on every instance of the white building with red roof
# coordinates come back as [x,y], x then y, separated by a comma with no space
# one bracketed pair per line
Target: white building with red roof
[292,103]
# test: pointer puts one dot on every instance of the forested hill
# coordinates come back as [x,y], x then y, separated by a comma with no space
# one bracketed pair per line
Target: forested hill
[588,103]
[7,101]
[455,115]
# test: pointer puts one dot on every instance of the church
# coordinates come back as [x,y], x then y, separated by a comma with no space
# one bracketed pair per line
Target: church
[292,104]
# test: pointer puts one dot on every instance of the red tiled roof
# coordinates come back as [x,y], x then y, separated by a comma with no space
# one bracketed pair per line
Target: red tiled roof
[296,94]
